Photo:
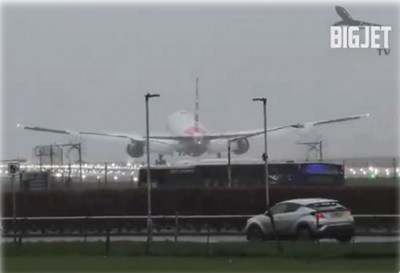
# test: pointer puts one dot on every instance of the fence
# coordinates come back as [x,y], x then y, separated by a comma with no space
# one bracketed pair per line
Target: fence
[166,225]
[190,225]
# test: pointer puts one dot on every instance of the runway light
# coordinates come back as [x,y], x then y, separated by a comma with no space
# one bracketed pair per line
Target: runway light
[373,176]
[115,177]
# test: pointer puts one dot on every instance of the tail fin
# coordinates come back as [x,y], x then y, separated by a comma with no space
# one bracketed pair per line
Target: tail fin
[196,110]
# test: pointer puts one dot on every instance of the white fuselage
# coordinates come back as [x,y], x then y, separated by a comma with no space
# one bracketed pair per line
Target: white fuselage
[182,123]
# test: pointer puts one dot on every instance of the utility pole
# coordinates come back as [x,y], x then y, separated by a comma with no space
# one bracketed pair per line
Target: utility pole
[51,158]
[149,221]
[80,161]
[264,102]
[229,165]
[320,151]
[13,169]
[105,174]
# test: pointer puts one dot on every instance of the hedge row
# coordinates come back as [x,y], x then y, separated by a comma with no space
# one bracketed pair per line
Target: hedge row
[361,200]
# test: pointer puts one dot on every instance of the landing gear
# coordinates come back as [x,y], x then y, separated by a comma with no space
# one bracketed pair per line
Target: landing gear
[218,155]
[160,160]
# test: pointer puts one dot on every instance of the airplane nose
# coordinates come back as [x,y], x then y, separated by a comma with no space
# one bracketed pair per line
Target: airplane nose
[342,12]
[198,138]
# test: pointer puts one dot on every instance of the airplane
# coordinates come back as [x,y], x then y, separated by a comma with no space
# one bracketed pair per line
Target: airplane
[347,20]
[14,160]
[188,137]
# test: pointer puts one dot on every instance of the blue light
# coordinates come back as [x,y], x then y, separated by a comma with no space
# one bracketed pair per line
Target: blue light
[315,166]
[322,168]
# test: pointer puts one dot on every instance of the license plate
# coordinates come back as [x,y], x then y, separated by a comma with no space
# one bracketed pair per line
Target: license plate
[336,214]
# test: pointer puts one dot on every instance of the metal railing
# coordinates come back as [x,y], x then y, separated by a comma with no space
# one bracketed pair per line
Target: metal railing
[110,226]
[113,217]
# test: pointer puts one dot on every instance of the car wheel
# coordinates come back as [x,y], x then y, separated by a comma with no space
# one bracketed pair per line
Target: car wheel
[344,240]
[254,234]
[304,234]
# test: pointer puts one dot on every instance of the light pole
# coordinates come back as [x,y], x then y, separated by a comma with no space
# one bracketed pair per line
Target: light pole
[149,223]
[229,164]
[264,102]
[14,207]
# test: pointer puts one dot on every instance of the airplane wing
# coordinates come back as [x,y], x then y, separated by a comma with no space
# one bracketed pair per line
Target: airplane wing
[125,136]
[361,23]
[252,133]
[233,135]
[20,160]
[355,23]
[340,23]
[329,121]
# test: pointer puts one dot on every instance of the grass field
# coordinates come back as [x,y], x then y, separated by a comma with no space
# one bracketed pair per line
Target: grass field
[200,257]
[191,249]
[196,264]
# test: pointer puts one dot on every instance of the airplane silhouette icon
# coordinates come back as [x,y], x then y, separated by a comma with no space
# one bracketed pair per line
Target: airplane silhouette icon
[347,20]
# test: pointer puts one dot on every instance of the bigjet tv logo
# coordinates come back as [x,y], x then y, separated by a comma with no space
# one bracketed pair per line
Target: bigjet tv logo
[350,37]
[350,33]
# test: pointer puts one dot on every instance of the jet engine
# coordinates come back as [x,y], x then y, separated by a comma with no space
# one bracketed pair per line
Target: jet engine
[240,146]
[135,149]
[162,148]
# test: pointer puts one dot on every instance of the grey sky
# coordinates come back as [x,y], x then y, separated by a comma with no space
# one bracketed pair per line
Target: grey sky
[87,67]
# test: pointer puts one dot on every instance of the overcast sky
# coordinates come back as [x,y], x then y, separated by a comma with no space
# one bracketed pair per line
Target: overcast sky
[87,67]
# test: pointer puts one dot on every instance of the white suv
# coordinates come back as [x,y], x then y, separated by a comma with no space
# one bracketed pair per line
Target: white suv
[304,219]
